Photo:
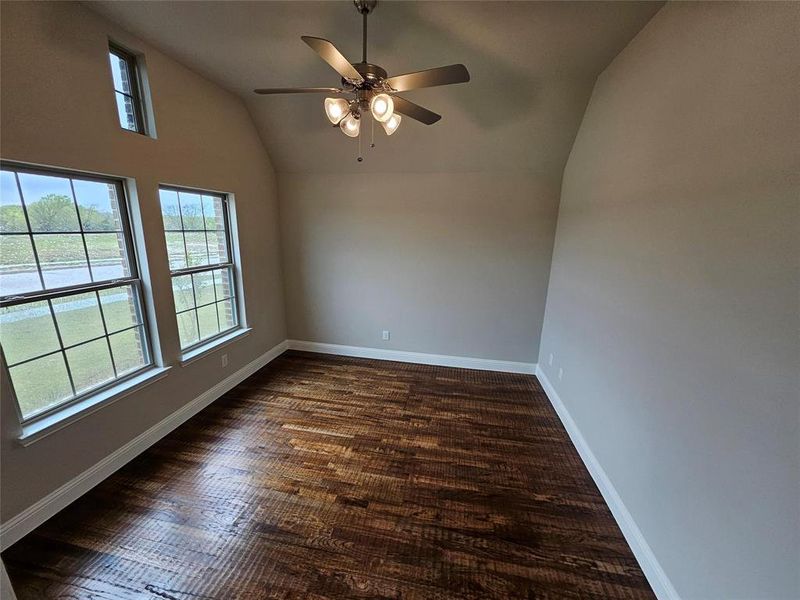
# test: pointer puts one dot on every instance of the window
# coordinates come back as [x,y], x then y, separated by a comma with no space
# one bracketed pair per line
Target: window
[127,89]
[198,234]
[71,318]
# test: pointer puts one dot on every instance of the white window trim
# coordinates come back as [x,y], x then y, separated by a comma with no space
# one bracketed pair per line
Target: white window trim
[215,344]
[204,347]
[35,430]
[135,279]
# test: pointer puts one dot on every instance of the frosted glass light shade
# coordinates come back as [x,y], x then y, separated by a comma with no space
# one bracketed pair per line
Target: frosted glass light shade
[391,124]
[382,107]
[336,109]
[350,125]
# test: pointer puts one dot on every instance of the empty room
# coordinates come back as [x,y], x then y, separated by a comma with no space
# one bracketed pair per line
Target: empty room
[419,300]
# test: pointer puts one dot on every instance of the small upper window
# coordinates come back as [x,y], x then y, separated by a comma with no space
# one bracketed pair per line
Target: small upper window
[127,89]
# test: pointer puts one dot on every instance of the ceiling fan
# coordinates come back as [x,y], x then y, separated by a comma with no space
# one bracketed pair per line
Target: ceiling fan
[367,88]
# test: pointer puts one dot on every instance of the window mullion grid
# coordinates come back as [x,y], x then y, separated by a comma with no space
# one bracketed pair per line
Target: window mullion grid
[141,320]
[216,301]
[66,291]
[208,258]
[106,334]
[61,344]
[30,229]
[200,269]
[196,312]
[70,347]
[232,268]
[233,297]
[101,232]
[80,226]
[131,283]
[226,229]
[183,235]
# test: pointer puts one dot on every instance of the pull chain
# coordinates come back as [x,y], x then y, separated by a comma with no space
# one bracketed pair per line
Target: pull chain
[360,158]
[372,134]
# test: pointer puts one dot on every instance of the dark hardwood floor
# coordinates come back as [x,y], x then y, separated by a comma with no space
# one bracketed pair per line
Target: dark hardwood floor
[330,477]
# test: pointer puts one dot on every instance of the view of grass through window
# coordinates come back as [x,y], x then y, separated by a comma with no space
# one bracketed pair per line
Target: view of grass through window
[70,300]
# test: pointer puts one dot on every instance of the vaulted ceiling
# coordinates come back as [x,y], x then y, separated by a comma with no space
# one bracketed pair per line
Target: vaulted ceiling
[533,65]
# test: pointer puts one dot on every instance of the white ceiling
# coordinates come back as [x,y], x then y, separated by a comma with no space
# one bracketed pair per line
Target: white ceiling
[532,64]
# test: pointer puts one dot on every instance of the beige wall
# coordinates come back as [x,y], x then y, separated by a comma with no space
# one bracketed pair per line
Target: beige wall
[673,299]
[58,109]
[450,263]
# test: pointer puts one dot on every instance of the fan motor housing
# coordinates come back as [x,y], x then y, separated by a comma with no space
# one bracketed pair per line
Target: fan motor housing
[373,75]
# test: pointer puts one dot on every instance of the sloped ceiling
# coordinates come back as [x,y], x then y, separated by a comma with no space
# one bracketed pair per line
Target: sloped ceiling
[533,65]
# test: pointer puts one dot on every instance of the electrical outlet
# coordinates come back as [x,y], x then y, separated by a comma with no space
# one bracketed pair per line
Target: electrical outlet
[550,360]
[386,335]
[560,373]
[224,360]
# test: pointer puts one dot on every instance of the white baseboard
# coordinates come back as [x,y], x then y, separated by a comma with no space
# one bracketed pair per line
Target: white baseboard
[655,575]
[30,518]
[442,360]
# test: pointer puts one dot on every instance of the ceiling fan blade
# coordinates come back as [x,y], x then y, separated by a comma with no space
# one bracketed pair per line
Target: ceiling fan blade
[333,57]
[415,111]
[430,78]
[307,90]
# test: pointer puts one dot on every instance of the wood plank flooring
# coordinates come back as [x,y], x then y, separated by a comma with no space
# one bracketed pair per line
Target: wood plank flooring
[330,477]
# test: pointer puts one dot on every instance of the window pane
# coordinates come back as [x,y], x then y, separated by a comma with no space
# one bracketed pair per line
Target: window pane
[18,271]
[212,208]
[119,306]
[125,110]
[227,315]
[49,201]
[223,283]
[78,318]
[120,74]
[128,350]
[90,365]
[169,209]
[98,205]
[107,255]
[183,292]
[63,259]
[27,330]
[51,356]
[35,392]
[204,287]
[175,250]
[217,251]
[196,248]
[12,218]
[187,328]
[207,316]
[191,210]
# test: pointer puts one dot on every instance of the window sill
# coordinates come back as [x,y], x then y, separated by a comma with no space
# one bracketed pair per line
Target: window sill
[220,342]
[36,430]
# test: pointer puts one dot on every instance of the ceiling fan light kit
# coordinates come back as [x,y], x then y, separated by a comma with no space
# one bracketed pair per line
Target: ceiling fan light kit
[391,124]
[336,109]
[372,92]
[350,125]
[382,107]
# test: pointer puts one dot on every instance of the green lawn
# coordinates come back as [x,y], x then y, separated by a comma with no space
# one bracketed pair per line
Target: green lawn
[44,382]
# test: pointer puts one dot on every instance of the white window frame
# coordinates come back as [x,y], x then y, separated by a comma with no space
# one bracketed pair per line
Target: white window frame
[204,345]
[140,90]
[134,378]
